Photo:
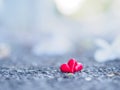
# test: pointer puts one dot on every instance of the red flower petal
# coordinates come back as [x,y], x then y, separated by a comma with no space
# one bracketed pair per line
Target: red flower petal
[71,67]
[64,68]
[72,64]
[78,67]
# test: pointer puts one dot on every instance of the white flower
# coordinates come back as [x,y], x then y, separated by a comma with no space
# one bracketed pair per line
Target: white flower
[107,51]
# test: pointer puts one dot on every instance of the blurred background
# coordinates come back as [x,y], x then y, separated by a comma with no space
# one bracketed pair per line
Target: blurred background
[57,27]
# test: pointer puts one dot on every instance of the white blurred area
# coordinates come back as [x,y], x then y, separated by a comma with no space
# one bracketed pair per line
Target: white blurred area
[58,26]
[107,51]
[68,7]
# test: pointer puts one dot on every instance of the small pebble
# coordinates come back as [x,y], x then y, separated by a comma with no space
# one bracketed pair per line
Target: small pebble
[88,78]
[110,74]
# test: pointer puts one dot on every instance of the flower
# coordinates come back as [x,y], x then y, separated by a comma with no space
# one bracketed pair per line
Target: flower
[107,51]
[71,67]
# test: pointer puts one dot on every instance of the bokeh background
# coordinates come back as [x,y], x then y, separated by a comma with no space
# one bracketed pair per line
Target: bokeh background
[38,36]
[56,27]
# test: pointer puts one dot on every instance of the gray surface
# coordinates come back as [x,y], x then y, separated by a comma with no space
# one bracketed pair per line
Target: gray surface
[23,71]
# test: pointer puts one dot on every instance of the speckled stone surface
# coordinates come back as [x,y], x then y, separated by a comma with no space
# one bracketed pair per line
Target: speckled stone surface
[24,71]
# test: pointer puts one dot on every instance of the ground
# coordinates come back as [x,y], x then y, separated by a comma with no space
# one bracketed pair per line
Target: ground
[24,71]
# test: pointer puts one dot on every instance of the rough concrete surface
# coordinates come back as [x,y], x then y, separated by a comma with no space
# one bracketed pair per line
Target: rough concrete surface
[24,71]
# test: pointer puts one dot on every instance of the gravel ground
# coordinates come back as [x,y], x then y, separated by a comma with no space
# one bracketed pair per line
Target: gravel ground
[22,71]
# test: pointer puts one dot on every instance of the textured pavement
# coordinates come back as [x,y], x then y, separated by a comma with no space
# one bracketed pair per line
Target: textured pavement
[24,71]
